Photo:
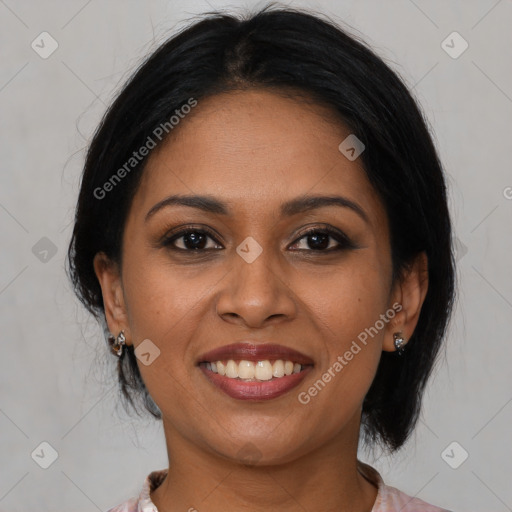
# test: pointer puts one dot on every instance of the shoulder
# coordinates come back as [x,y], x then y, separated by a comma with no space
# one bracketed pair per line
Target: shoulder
[130,505]
[142,502]
[390,499]
[393,499]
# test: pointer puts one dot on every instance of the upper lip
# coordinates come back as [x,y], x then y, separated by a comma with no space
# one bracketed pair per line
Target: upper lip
[255,352]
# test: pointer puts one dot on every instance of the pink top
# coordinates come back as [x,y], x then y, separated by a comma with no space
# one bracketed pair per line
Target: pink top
[389,499]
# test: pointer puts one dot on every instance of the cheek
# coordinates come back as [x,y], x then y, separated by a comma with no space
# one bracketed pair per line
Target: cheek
[349,301]
[164,306]
[344,310]
[160,296]
[167,304]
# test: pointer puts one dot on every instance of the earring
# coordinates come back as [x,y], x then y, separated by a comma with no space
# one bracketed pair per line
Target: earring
[399,342]
[116,344]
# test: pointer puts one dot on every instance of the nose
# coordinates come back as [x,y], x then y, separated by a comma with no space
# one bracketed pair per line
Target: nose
[255,294]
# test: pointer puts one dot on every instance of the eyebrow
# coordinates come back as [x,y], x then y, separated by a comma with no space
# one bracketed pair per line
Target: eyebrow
[292,207]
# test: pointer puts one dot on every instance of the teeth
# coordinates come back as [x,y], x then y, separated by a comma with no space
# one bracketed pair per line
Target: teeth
[278,369]
[248,370]
[231,369]
[263,370]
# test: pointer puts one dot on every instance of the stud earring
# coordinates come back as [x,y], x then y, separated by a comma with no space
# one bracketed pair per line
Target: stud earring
[117,343]
[399,342]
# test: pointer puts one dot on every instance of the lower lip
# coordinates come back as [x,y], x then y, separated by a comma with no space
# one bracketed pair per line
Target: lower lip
[256,390]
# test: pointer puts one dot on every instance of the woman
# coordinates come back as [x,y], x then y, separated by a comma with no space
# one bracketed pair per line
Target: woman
[262,229]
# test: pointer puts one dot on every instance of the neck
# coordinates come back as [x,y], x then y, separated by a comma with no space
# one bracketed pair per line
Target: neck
[326,480]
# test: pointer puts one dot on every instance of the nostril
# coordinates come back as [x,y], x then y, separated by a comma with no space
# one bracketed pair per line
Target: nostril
[231,315]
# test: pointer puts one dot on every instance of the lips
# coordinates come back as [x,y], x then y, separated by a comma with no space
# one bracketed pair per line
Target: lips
[256,389]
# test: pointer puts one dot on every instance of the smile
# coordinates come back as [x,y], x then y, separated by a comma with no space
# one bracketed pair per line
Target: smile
[255,372]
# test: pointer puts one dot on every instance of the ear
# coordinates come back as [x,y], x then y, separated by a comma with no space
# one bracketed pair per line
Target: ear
[109,277]
[409,291]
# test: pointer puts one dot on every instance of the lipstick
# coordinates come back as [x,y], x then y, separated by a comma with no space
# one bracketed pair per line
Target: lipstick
[288,368]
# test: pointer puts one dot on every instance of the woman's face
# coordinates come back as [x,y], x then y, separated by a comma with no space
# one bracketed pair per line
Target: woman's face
[257,277]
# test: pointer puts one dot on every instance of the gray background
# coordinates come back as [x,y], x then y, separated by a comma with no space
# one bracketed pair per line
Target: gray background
[57,381]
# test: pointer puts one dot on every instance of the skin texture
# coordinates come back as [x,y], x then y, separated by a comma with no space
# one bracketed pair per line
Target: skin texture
[254,150]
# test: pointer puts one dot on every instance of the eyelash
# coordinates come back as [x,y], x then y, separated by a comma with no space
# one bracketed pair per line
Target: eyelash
[343,241]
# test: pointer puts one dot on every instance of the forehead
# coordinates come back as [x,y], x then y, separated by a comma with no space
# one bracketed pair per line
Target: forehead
[255,149]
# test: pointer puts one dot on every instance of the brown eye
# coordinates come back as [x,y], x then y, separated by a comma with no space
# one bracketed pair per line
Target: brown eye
[322,240]
[318,240]
[192,240]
